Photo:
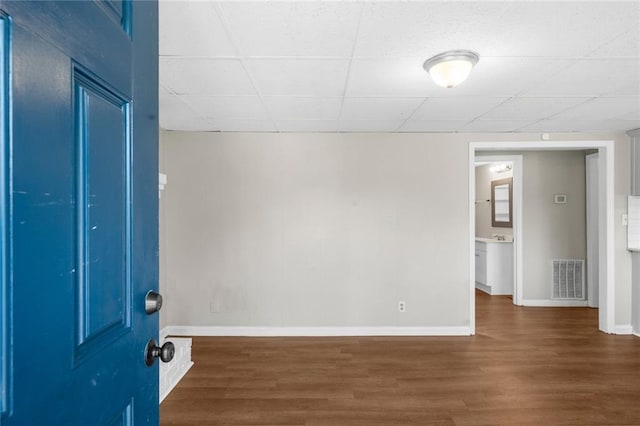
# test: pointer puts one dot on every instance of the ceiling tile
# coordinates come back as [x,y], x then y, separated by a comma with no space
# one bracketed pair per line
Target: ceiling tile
[222,57]
[294,108]
[591,77]
[293,28]
[564,29]
[630,116]
[542,29]
[233,125]
[530,108]
[203,36]
[433,126]
[388,77]
[176,115]
[299,77]
[626,45]
[370,125]
[379,108]
[205,76]
[163,91]
[423,29]
[495,125]
[496,77]
[602,109]
[455,108]
[307,125]
[223,107]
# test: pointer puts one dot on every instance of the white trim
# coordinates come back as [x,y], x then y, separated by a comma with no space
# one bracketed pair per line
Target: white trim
[554,303]
[484,288]
[191,330]
[606,320]
[637,334]
[183,371]
[541,145]
[170,373]
[472,239]
[607,243]
[592,192]
[623,329]
[164,333]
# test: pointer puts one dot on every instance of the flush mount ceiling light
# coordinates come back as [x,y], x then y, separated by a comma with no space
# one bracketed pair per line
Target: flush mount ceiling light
[451,68]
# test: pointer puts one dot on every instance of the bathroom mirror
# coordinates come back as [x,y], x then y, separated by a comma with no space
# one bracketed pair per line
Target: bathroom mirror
[501,203]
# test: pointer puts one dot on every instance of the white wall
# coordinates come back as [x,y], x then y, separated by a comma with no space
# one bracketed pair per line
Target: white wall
[329,229]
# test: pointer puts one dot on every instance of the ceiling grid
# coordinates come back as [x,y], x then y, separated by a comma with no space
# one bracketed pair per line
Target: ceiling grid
[326,66]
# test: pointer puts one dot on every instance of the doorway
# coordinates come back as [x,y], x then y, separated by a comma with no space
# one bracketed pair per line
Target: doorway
[606,272]
[515,230]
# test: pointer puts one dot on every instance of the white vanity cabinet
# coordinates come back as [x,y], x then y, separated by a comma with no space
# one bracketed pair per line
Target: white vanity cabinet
[494,266]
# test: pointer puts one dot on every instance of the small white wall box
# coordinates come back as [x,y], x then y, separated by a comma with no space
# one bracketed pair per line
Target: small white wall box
[633,223]
[162,182]
[560,198]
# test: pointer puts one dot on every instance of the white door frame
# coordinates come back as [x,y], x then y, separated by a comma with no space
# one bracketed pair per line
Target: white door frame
[606,319]
[592,190]
[516,160]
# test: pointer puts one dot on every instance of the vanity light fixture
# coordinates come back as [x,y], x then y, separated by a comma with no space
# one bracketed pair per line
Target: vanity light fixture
[500,168]
[451,68]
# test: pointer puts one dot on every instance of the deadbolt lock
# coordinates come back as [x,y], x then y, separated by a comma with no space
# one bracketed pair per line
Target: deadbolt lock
[152,302]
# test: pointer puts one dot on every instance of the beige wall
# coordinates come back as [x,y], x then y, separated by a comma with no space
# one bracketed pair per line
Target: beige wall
[551,231]
[328,229]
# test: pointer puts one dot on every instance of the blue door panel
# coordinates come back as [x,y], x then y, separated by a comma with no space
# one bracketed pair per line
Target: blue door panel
[42,207]
[78,227]
[103,195]
[84,32]
[119,11]
[125,418]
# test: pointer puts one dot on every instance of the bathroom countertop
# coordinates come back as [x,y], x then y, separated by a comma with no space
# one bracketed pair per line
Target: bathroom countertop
[492,240]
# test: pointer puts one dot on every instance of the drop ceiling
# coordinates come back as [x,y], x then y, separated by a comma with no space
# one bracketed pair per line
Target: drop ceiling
[315,66]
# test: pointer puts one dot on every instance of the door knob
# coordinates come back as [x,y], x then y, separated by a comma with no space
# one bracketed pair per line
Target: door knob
[153,351]
[152,302]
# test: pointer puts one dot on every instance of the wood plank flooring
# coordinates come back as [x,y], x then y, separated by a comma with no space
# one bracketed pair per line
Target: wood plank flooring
[525,366]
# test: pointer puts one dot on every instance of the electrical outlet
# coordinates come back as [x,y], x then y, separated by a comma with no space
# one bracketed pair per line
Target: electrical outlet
[625,219]
[214,306]
[402,307]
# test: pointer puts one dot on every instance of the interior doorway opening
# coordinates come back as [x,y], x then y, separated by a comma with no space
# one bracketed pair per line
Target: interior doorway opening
[604,221]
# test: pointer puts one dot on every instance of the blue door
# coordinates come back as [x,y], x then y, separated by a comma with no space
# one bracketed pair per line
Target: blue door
[78,182]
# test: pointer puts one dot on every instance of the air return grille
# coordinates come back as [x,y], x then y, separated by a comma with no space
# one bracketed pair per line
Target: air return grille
[568,279]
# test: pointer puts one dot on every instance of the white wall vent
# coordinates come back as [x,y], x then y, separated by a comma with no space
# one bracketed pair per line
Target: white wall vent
[568,279]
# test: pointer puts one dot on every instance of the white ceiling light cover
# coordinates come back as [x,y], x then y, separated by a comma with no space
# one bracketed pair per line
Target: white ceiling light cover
[449,69]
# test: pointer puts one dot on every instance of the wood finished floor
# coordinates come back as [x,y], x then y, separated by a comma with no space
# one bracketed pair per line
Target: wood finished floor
[525,366]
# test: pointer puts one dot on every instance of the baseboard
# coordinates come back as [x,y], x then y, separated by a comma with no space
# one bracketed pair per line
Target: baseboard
[178,330]
[636,333]
[623,329]
[555,303]
[482,287]
[172,372]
